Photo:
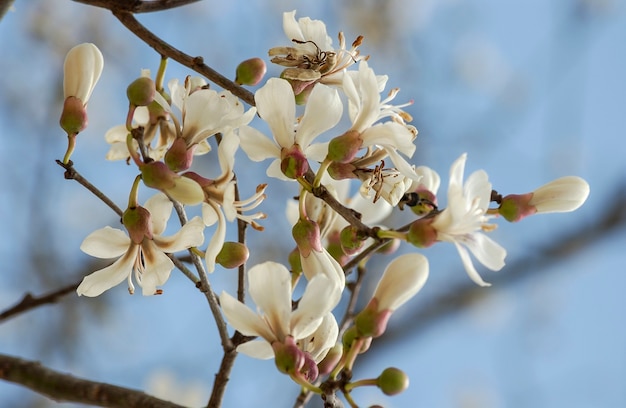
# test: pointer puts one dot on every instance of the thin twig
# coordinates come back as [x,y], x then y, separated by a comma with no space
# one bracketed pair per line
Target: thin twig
[29,301]
[195,63]
[72,174]
[65,387]
[137,6]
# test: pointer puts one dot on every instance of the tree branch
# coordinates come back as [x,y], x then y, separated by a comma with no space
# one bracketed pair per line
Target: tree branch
[29,301]
[64,387]
[194,63]
[137,6]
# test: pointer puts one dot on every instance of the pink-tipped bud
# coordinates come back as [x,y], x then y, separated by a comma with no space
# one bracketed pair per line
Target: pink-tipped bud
[372,322]
[352,240]
[392,381]
[183,189]
[341,171]
[293,162]
[421,233]
[288,358]
[303,89]
[390,247]
[250,72]
[141,91]
[232,255]
[74,116]
[344,148]
[514,207]
[178,157]
[137,223]
[306,233]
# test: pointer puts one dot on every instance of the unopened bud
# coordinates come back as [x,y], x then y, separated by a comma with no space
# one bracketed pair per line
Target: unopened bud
[372,322]
[293,162]
[352,239]
[250,72]
[232,255]
[344,148]
[306,233]
[183,189]
[288,357]
[421,233]
[392,381]
[341,171]
[137,223]
[331,359]
[514,207]
[351,336]
[74,116]
[141,91]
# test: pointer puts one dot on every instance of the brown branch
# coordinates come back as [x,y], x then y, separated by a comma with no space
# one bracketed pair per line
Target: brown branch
[64,387]
[29,301]
[194,63]
[137,6]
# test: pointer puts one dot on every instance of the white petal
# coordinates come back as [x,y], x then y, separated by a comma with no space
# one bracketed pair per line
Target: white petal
[275,103]
[160,208]
[561,195]
[186,191]
[112,275]
[269,285]
[323,111]
[402,279]
[217,240]
[189,235]
[469,266]
[323,338]
[157,270]
[256,145]
[487,251]
[243,319]
[260,349]
[82,68]
[320,297]
[106,243]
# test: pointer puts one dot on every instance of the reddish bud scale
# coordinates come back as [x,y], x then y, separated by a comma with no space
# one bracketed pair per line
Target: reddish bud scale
[344,148]
[306,233]
[157,175]
[137,223]
[514,207]
[371,322]
[74,116]
[288,358]
[330,361]
[421,233]
[341,171]
[179,157]
[293,162]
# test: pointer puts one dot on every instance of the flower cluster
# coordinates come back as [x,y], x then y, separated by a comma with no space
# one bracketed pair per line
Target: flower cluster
[332,230]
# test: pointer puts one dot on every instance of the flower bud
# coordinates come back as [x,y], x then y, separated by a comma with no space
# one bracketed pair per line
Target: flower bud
[232,255]
[561,195]
[350,336]
[250,71]
[293,162]
[74,116]
[306,233]
[141,91]
[344,148]
[402,279]
[81,71]
[330,360]
[392,381]
[137,223]
[341,171]
[183,189]
[178,157]
[372,321]
[352,240]
[421,233]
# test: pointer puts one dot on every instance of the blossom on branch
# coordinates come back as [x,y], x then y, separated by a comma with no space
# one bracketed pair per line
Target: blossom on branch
[142,254]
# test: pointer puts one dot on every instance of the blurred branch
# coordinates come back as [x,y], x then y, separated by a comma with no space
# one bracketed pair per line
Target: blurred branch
[5,5]
[137,6]
[65,387]
[29,301]
[195,63]
[463,295]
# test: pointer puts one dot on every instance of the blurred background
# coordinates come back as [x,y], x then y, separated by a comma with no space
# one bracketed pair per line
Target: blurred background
[531,90]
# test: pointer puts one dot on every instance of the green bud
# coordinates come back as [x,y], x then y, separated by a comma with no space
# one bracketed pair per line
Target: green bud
[293,162]
[514,207]
[421,233]
[288,357]
[306,233]
[232,255]
[178,157]
[392,381]
[74,116]
[344,148]
[250,71]
[137,223]
[141,91]
[352,239]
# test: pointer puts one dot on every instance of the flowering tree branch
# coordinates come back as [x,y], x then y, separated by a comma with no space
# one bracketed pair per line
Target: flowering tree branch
[137,6]
[64,387]
[30,302]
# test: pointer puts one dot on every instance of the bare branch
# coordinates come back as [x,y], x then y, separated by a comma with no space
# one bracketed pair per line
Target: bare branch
[137,6]
[65,387]
[194,63]
[29,301]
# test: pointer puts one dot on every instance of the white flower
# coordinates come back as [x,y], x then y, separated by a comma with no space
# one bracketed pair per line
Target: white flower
[276,105]
[275,320]
[148,260]
[561,195]
[465,217]
[81,71]
[322,339]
